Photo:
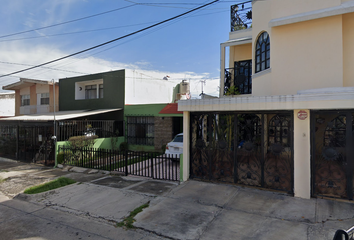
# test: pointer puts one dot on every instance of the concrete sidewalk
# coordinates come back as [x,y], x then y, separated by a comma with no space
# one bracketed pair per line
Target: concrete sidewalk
[199,210]
[190,210]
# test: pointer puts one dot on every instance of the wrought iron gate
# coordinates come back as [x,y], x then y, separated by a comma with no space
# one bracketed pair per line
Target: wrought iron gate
[254,149]
[332,154]
[27,143]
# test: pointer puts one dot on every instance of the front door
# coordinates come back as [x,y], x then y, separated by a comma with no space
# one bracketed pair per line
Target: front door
[332,154]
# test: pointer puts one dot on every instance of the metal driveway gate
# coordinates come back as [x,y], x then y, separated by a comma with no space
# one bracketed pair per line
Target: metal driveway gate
[27,143]
[254,149]
[332,153]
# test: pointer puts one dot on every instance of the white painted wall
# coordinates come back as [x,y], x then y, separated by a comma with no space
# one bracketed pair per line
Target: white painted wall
[7,104]
[143,89]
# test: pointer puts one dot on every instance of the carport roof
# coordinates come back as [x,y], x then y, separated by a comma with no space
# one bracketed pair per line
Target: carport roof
[61,115]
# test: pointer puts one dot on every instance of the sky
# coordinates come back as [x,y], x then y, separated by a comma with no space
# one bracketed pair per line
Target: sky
[185,48]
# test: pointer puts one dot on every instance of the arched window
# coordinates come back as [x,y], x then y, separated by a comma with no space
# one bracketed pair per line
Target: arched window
[262,52]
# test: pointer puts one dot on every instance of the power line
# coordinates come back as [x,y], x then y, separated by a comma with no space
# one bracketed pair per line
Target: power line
[114,40]
[51,68]
[70,21]
[68,33]
[98,29]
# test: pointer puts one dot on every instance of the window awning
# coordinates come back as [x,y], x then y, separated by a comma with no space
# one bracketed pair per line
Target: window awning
[61,115]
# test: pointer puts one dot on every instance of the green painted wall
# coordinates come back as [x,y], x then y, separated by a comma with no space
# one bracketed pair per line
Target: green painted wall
[113,92]
[105,143]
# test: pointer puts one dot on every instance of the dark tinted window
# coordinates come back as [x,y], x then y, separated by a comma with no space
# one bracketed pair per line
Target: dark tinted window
[178,138]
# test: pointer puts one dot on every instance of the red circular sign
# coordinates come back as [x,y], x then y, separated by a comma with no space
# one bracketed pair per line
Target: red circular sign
[302,115]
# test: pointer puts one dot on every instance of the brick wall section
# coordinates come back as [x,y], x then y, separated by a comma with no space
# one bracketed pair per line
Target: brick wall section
[163,131]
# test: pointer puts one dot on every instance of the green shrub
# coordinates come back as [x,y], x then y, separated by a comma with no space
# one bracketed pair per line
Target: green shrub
[60,158]
[82,141]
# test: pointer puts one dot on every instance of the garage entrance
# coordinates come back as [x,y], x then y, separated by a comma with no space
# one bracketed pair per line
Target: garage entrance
[254,149]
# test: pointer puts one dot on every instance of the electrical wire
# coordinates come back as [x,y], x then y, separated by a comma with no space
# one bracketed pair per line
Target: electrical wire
[99,29]
[114,40]
[131,39]
[69,33]
[70,21]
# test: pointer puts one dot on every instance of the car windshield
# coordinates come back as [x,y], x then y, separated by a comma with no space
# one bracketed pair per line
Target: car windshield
[178,138]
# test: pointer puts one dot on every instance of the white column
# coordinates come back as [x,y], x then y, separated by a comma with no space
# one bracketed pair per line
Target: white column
[222,70]
[302,154]
[186,144]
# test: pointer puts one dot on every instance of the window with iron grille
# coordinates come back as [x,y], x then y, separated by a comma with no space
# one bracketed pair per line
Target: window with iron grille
[279,130]
[25,100]
[243,76]
[140,130]
[262,59]
[44,98]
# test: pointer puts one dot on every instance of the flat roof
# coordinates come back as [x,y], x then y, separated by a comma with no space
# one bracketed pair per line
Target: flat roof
[238,41]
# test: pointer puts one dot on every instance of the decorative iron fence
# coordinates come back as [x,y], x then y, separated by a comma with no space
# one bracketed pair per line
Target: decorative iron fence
[241,16]
[101,128]
[145,164]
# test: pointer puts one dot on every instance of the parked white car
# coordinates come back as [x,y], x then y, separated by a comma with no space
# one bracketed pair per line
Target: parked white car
[175,147]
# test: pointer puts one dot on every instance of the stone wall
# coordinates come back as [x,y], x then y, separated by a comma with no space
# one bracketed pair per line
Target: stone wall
[163,131]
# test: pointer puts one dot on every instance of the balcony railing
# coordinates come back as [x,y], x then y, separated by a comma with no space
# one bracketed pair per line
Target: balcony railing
[238,80]
[241,16]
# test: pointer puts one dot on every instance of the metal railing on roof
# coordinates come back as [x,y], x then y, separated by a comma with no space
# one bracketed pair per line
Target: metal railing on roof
[241,16]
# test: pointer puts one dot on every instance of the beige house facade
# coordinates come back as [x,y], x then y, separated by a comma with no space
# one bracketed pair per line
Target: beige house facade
[284,117]
[34,96]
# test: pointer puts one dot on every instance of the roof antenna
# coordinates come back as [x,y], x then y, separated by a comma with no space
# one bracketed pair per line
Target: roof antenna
[203,83]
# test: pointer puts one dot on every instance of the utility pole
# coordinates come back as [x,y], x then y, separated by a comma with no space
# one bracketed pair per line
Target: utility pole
[55,128]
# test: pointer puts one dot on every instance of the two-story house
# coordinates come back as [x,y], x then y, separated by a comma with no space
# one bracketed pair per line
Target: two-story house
[284,116]
[34,96]
[89,104]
